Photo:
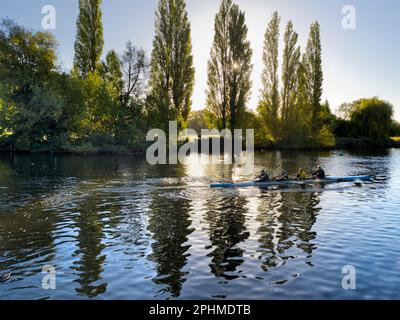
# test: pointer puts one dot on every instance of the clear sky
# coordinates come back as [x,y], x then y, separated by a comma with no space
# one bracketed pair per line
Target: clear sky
[357,63]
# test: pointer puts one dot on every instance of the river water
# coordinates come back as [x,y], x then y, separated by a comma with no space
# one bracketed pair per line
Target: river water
[114,227]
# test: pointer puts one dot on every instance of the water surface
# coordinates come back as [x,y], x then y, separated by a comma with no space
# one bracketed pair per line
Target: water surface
[117,228]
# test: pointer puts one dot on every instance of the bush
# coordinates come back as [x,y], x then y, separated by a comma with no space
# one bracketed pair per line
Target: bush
[395,129]
[371,118]
[341,128]
[325,138]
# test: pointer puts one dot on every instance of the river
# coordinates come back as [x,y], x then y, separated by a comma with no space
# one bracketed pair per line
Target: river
[114,227]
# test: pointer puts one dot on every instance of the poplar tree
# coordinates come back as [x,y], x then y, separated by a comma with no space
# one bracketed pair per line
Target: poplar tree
[291,62]
[89,39]
[312,61]
[229,67]
[269,103]
[112,74]
[171,67]
[218,67]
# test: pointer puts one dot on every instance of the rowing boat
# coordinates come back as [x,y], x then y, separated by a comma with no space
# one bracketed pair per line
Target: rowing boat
[290,182]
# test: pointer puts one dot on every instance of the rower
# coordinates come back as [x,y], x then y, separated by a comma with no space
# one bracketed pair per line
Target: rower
[263,177]
[301,175]
[319,174]
[283,176]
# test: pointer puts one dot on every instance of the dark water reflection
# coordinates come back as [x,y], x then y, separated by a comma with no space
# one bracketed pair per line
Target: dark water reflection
[169,222]
[117,228]
[226,219]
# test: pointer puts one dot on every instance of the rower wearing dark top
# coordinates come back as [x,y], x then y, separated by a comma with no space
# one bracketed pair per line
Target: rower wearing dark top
[283,176]
[263,177]
[319,174]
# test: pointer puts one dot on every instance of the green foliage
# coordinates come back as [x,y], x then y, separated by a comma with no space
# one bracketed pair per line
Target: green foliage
[268,107]
[218,68]
[229,67]
[111,73]
[211,120]
[197,121]
[108,106]
[395,129]
[89,39]
[297,119]
[291,62]
[251,120]
[100,106]
[312,61]
[345,110]
[171,68]
[115,101]
[40,106]
[325,138]
[131,118]
[341,128]
[371,118]
[367,118]
[26,59]
[43,110]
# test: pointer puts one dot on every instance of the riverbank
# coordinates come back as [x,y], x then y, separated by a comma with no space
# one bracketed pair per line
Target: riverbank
[341,144]
[353,143]
[109,149]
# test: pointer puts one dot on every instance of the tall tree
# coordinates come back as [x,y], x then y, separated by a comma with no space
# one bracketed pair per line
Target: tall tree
[312,61]
[229,68]
[41,106]
[300,112]
[171,67]
[291,62]
[240,60]
[135,73]
[89,39]
[124,78]
[269,104]
[112,74]
[218,66]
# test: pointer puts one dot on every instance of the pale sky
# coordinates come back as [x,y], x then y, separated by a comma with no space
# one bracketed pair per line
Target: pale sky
[364,62]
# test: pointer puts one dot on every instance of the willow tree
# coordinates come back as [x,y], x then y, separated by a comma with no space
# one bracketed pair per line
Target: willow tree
[269,103]
[312,61]
[171,66]
[89,39]
[229,67]
[291,63]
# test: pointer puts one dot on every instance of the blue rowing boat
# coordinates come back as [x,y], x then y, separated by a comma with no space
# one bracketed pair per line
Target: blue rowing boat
[291,182]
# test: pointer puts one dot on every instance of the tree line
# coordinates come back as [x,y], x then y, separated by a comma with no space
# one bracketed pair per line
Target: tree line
[108,105]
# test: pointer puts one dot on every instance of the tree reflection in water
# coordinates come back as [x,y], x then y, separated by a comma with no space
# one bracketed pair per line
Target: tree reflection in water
[89,266]
[170,225]
[226,218]
[286,220]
